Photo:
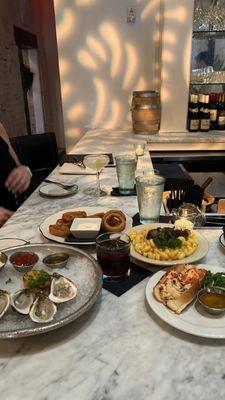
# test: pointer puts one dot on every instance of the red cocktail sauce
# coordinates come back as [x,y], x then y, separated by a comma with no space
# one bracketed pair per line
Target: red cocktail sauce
[24,259]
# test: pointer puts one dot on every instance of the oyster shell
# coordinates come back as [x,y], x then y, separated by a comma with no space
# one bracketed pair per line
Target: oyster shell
[4,302]
[22,300]
[62,289]
[43,309]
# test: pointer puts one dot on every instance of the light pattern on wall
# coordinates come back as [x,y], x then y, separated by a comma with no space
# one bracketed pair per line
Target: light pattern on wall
[102,60]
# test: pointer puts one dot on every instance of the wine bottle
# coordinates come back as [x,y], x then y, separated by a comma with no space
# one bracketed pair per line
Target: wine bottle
[193,114]
[213,110]
[204,113]
[221,114]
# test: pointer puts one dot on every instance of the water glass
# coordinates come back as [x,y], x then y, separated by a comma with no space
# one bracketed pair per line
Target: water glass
[125,169]
[149,194]
[113,254]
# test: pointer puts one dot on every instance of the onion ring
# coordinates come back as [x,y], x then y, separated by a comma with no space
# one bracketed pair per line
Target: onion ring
[114,221]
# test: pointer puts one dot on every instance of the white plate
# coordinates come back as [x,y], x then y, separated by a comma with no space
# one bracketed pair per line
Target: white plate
[73,169]
[52,190]
[222,241]
[199,253]
[5,243]
[44,227]
[192,321]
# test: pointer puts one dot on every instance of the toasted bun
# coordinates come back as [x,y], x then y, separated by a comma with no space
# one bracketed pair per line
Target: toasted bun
[174,297]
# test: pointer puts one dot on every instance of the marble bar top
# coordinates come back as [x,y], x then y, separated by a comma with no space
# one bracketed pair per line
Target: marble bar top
[213,140]
[119,349]
[188,137]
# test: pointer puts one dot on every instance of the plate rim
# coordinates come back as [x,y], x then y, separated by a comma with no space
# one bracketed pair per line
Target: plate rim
[9,238]
[150,261]
[172,321]
[58,196]
[220,241]
[36,330]
[100,209]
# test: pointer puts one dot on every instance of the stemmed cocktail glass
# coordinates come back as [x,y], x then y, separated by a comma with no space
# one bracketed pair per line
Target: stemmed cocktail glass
[96,162]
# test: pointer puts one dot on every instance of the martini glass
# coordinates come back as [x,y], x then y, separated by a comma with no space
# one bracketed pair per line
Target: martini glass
[96,162]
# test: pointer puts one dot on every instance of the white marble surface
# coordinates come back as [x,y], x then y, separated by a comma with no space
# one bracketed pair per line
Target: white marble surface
[196,141]
[118,350]
[161,137]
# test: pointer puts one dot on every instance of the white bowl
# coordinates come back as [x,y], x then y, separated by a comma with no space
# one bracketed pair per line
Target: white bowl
[86,228]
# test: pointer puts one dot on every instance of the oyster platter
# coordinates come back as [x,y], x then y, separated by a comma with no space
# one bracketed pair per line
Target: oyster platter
[43,287]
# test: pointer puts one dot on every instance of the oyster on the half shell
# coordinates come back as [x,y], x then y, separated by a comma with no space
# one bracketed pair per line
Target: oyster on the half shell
[4,302]
[22,300]
[43,309]
[62,289]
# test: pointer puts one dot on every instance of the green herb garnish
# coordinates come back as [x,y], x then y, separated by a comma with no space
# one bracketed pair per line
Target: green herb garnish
[168,237]
[214,280]
[9,280]
[40,279]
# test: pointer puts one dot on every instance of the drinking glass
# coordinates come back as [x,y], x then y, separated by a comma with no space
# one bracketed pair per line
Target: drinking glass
[125,169]
[149,195]
[139,149]
[113,254]
[96,162]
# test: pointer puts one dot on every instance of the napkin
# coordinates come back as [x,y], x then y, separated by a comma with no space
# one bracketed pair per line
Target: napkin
[73,169]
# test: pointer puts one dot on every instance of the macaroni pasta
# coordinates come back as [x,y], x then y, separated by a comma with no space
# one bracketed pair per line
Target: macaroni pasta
[147,248]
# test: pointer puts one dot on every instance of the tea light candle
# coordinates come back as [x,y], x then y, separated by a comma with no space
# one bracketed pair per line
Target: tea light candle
[139,149]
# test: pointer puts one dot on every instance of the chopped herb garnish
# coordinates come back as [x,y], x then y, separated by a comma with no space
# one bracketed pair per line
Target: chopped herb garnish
[40,279]
[168,237]
[9,280]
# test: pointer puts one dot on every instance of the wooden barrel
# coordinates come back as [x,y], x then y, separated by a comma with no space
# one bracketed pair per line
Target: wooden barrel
[146,111]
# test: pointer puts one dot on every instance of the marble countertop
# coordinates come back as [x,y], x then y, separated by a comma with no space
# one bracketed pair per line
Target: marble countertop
[119,349]
[161,137]
[188,137]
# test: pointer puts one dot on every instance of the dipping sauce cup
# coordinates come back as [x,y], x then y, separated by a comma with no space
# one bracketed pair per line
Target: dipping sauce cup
[113,254]
[23,261]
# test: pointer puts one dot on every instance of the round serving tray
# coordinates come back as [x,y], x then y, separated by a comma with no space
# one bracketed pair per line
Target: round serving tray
[81,268]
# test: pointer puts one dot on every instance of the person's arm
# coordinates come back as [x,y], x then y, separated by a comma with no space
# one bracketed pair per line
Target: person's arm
[4,135]
[4,215]
[19,178]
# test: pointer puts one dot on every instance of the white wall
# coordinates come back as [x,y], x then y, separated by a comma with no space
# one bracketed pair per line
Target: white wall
[103,59]
[176,64]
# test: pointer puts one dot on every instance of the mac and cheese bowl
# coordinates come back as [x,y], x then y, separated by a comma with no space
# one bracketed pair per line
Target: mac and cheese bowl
[164,244]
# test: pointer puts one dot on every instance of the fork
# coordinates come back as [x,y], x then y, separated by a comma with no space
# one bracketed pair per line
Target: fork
[63,185]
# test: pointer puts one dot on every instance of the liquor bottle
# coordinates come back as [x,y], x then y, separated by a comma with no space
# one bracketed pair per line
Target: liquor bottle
[204,112]
[213,110]
[221,114]
[193,114]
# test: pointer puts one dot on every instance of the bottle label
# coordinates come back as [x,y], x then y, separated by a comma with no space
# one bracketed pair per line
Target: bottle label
[205,124]
[221,120]
[213,115]
[194,125]
[194,110]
